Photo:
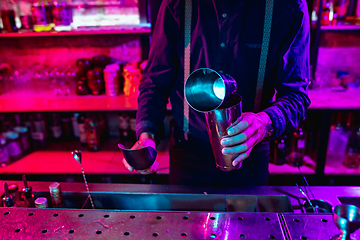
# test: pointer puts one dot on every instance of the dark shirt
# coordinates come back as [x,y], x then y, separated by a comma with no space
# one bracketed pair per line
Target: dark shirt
[227,37]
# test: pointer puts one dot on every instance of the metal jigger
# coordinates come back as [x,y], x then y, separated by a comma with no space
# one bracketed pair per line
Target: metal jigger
[77,156]
[214,94]
[347,219]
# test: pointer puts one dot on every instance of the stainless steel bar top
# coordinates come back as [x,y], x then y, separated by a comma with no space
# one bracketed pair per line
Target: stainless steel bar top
[144,211]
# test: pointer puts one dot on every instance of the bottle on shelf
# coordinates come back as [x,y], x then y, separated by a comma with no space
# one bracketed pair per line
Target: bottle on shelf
[41,16]
[62,16]
[74,124]
[314,14]
[338,139]
[327,13]
[124,126]
[24,9]
[352,157]
[341,8]
[66,126]
[8,16]
[297,147]
[56,194]
[39,132]
[55,127]
[81,126]
[103,127]
[92,131]
[280,146]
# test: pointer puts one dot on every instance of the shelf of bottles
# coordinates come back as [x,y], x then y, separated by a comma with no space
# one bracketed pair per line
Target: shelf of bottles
[28,18]
[337,15]
[343,153]
[49,138]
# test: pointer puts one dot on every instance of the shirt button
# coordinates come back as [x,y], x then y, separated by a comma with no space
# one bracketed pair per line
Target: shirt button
[224,15]
[222,44]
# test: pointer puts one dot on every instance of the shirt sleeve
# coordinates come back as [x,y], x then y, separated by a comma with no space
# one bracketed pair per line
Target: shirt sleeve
[159,74]
[292,101]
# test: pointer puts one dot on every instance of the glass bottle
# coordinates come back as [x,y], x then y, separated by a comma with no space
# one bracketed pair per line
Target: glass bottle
[24,9]
[74,124]
[326,14]
[352,157]
[92,133]
[8,15]
[338,139]
[67,126]
[62,16]
[38,14]
[39,133]
[297,147]
[81,125]
[82,87]
[55,127]
[280,146]
[124,126]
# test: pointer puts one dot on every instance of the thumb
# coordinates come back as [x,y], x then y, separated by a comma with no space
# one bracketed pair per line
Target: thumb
[127,165]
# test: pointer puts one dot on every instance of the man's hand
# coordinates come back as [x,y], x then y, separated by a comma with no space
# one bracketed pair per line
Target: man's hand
[145,140]
[244,134]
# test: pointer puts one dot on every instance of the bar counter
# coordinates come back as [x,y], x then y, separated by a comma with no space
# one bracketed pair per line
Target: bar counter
[144,211]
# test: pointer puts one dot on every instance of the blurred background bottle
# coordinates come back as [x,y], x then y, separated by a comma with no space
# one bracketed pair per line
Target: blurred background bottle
[297,147]
[81,125]
[352,157]
[124,126]
[338,139]
[55,127]
[8,14]
[280,146]
[24,10]
[39,133]
[92,131]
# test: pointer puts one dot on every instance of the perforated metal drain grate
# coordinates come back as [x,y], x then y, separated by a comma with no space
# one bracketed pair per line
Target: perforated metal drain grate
[93,224]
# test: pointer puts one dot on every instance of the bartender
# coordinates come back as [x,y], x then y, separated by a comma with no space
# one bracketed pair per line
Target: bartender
[226,36]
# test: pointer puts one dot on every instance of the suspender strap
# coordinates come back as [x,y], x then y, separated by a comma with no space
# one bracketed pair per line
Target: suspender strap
[188,12]
[264,53]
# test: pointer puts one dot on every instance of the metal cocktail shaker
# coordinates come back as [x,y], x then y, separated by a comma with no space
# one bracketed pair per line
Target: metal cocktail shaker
[214,94]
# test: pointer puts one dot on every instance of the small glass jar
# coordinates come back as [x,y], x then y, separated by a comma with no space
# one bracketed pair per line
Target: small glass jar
[13,145]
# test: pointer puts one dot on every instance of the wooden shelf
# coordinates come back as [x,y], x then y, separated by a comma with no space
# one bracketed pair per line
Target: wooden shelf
[67,103]
[47,103]
[341,170]
[340,28]
[139,30]
[57,160]
[335,100]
